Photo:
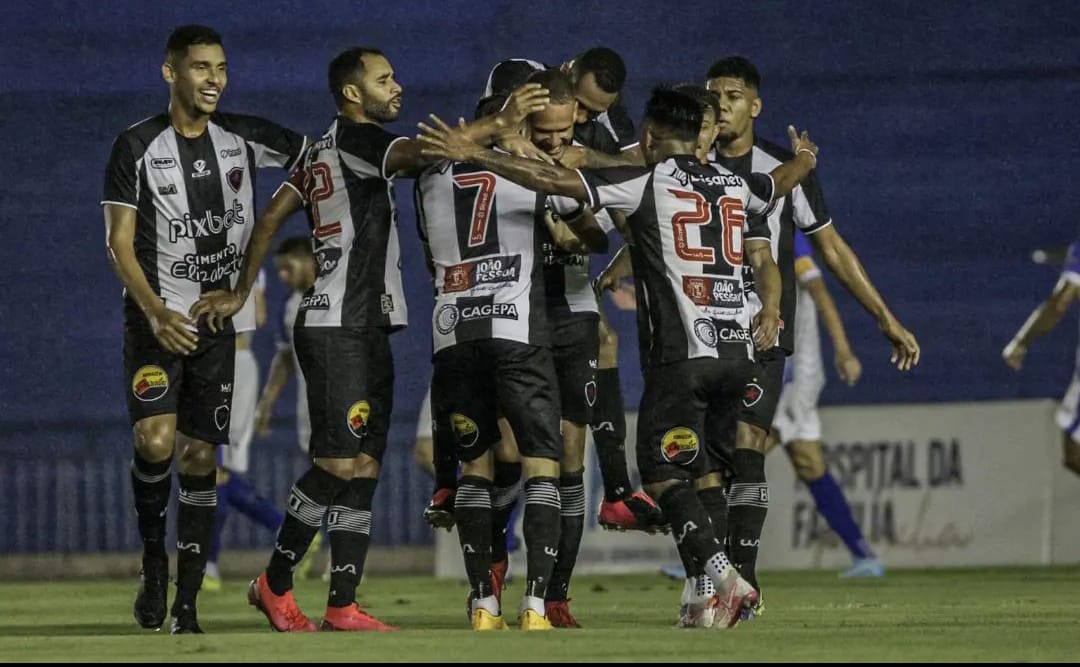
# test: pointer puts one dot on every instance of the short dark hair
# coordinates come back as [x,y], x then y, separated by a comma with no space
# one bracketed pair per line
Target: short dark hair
[606,66]
[560,88]
[705,97]
[736,67]
[294,245]
[189,35]
[343,66]
[489,106]
[677,114]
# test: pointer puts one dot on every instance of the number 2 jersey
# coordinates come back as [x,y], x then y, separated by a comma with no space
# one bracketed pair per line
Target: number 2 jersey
[689,225]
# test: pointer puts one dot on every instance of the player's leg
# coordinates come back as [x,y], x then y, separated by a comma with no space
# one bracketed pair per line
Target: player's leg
[1068,420]
[526,390]
[506,488]
[623,508]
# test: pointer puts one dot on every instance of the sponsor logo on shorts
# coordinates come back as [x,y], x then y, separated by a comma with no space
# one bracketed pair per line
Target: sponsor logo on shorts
[465,430]
[752,395]
[221,417]
[315,302]
[714,292]
[357,418]
[680,446]
[590,393]
[162,162]
[705,331]
[165,190]
[449,316]
[150,383]
[235,177]
[489,271]
[230,152]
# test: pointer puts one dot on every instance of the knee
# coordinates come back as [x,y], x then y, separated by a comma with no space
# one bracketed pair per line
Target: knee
[573,447]
[658,489]
[710,481]
[807,460]
[154,440]
[748,436]
[532,466]
[197,458]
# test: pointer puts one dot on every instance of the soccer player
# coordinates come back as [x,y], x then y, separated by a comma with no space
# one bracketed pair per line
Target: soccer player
[178,201]
[342,330]
[689,231]
[736,82]
[1041,322]
[797,424]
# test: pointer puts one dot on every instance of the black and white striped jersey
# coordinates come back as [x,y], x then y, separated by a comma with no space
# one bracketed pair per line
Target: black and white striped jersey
[611,131]
[689,225]
[568,290]
[194,200]
[349,198]
[483,233]
[803,208]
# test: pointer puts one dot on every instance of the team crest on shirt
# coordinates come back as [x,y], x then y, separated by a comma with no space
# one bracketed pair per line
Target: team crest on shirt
[752,395]
[221,417]
[465,430]
[357,418]
[447,318]
[705,331]
[680,446]
[235,177]
[150,383]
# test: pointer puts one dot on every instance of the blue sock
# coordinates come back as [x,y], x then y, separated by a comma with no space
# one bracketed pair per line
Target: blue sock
[221,515]
[242,496]
[831,503]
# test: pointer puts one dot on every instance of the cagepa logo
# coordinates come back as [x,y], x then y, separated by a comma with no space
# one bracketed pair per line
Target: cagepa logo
[150,383]
[505,311]
[315,302]
[357,418]
[206,224]
[734,335]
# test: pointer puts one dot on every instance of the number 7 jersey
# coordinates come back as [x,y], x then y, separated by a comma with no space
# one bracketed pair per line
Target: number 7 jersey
[689,224]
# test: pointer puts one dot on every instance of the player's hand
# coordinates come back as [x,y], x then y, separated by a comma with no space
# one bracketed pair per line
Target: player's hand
[171,330]
[262,419]
[801,142]
[515,144]
[445,142]
[1014,354]
[766,328]
[217,306]
[906,350]
[848,367]
[573,157]
[530,98]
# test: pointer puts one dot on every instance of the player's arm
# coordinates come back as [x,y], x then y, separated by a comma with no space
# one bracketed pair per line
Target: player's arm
[169,326]
[577,231]
[221,304]
[848,365]
[788,174]
[618,269]
[845,265]
[260,307]
[576,157]
[408,155]
[282,368]
[766,325]
[1042,320]
[444,142]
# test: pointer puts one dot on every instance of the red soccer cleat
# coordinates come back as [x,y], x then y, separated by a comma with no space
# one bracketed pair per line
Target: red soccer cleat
[636,512]
[440,511]
[498,577]
[558,614]
[352,619]
[281,610]
[729,606]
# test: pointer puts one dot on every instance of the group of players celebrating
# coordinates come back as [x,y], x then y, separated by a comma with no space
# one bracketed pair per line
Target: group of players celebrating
[509,206]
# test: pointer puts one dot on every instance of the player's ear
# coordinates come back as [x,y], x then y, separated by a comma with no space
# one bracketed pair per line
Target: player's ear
[755,107]
[167,72]
[351,92]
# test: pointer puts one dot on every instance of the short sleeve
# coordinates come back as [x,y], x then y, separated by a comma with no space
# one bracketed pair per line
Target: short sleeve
[365,147]
[808,202]
[620,188]
[274,145]
[121,176]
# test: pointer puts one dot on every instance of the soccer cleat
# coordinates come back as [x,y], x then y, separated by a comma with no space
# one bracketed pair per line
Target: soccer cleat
[184,621]
[151,600]
[483,620]
[440,511]
[352,618]
[303,569]
[864,567]
[281,610]
[499,571]
[531,620]
[558,614]
[696,615]
[751,612]
[728,605]
[211,583]
[635,512]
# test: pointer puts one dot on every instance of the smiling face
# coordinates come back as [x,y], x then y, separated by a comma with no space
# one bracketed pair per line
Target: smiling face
[197,78]
[552,129]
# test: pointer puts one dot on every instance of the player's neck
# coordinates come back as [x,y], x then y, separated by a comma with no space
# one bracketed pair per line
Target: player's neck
[186,124]
[358,116]
[737,147]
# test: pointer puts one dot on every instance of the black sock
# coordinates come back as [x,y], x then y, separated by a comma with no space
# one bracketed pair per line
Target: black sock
[504,497]
[748,504]
[690,524]
[609,433]
[308,502]
[195,527]
[152,484]
[541,526]
[348,525]
[714,499]
[572,497]
[444,458]
[692,567]
[472,509]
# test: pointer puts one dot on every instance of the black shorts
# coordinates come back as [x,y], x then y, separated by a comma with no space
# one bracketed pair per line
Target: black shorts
[683,407]
[763,389]
[197,388]
[575,347]
[349,373]
[477,381]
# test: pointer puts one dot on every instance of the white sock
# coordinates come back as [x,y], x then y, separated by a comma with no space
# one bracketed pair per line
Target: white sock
[689,586]
[534,603]
[489,604]
[212,570]
[705,589]
[721,571]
